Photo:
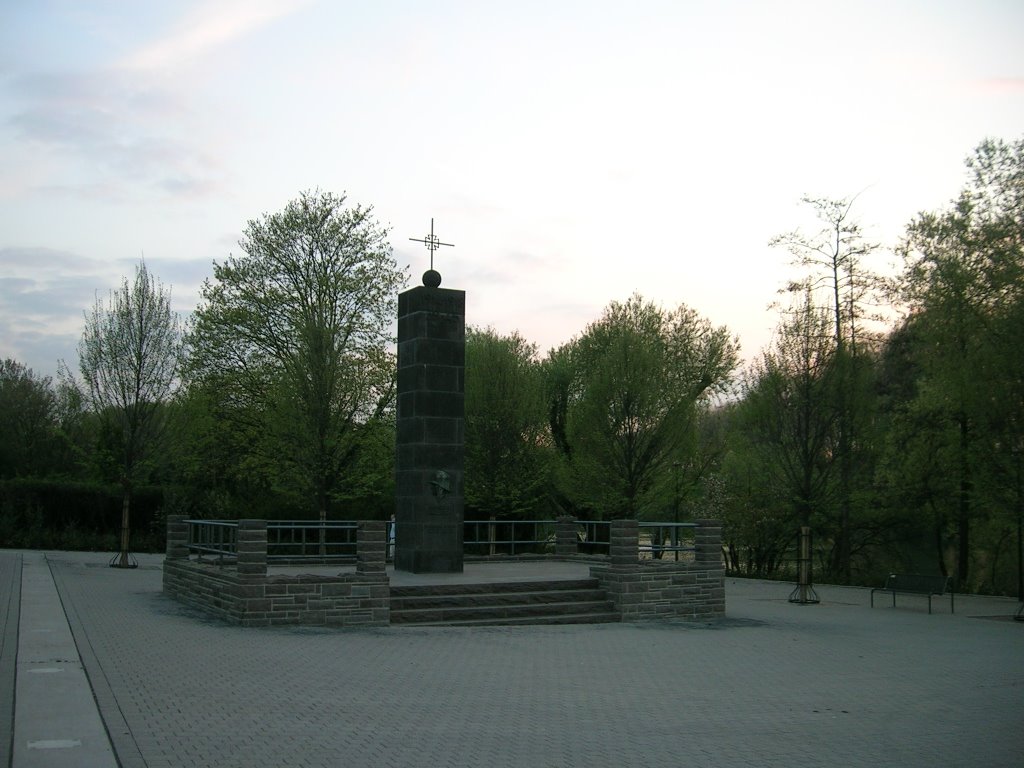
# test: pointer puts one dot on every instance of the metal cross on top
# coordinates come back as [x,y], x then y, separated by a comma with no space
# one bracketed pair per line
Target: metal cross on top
[432,242]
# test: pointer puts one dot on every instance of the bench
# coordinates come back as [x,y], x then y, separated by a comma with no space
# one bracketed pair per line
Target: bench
[915,584]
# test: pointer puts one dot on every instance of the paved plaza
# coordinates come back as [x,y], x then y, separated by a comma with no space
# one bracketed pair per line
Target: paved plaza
[774,684]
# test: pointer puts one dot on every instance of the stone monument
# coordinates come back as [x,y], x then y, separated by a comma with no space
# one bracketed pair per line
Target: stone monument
[431,413]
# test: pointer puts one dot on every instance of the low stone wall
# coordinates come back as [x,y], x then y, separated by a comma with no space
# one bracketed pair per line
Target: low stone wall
[245,594]
[654,589]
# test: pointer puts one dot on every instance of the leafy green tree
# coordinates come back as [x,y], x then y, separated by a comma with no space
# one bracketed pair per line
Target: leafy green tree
[757,523]
[507,448]
[28,421]
[128,359]
[962,284]
[294,336]
[640,374]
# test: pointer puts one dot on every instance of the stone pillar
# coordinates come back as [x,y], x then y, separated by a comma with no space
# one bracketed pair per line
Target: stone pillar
[709,569]
[177,537]
[565,536]
[371,547]
[251,547]
[624,547]
[431,415]
[708,544]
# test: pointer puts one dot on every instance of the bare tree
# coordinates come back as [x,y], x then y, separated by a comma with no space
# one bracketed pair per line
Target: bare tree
[128,358]
[833,257]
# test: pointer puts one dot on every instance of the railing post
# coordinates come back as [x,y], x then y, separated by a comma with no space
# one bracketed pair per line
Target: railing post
[624,544]
[708,543]
[565,536]
[251,548]
[371,547]
[177,537]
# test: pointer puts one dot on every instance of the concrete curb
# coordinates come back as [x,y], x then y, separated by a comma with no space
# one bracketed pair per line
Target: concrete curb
[57,722]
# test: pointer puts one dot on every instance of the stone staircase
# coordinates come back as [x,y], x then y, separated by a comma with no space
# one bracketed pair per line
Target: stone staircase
[579,601]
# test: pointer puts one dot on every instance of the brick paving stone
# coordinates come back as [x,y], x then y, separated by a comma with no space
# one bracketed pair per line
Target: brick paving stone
[773,684]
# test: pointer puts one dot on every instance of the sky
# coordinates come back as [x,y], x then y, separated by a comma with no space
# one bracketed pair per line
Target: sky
[574,153]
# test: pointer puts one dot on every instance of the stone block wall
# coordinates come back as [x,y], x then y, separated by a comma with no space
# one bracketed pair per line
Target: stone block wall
[565,536]
[245,594]
[655,589]
[430,437]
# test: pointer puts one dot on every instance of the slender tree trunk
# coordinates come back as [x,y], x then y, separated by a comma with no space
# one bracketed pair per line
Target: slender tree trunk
[124,561]
[939,548]
[964,511]
[322,499]
[1020,531]
[843,546]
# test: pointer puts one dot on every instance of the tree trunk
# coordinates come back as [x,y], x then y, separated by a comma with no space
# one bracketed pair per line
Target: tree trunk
[939,546]
[1020,531]
[124,560]
[323,523]
[964,512]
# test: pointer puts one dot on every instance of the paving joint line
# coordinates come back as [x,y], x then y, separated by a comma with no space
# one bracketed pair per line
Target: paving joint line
[122,740]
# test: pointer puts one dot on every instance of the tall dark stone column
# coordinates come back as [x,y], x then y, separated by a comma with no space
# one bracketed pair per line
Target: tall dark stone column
[431,414]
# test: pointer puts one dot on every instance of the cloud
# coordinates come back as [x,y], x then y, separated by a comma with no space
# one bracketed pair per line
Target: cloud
[40,351]
[13,259]
[207,28]
[510,268]
[1010,85]
[114,130]
[132,124]
[113,124]
[183,276]
[44,294]
[44,284]
[42,297]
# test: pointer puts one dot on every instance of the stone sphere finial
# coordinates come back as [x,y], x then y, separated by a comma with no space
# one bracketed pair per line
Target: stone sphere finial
[431,278]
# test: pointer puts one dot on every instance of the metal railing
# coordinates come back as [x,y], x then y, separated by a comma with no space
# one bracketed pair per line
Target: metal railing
[311,540]
[218,538]
[508,537]
[287,540]
[657,539]
[520,537]
[305,540]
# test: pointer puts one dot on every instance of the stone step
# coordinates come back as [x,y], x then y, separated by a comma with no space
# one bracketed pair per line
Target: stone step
[493,587]
[530,602]
[439,600]
[514,611]
[523,621]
